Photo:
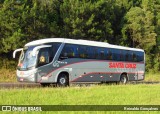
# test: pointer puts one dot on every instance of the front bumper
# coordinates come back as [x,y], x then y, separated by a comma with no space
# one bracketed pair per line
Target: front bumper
[26,76]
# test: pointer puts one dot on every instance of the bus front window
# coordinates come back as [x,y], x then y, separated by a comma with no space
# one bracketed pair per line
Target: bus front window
[44,57]
[27,60]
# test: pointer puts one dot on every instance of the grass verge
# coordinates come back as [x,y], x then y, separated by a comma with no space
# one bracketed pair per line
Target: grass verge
[153,77]
[7,75]
[94,95]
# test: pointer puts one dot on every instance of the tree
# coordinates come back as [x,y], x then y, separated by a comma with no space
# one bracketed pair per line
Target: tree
[10,30]
[26,20]
[156,9]
[133,23]
[40,19]
[86,19]
[140,30]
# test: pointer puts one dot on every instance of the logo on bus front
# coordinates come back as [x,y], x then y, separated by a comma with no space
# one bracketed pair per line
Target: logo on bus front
[21,73]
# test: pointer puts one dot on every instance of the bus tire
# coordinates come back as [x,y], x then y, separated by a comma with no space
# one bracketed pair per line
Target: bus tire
[63,80]
[123,79]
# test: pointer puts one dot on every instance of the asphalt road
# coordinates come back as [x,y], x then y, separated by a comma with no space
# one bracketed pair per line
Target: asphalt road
[37,85]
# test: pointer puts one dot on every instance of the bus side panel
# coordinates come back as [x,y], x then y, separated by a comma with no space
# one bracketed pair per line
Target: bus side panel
[87,70]
[83,70]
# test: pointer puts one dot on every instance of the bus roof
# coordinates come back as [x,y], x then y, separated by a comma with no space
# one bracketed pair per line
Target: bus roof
[79,41]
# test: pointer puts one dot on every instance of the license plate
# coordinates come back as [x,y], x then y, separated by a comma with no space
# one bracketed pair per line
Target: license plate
[21,79]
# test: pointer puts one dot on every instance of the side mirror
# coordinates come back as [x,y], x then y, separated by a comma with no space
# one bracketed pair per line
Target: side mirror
[14,53]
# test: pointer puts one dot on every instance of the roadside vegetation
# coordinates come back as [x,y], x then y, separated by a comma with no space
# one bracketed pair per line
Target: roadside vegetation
[7,75]
[93,95]
[152,77]
[131,23]
[140,94]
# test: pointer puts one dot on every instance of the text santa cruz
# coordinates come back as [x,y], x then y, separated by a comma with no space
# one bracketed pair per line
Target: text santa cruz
[122,65]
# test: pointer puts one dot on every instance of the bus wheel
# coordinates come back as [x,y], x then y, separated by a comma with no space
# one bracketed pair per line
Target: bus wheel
[45,84]
[63,80]
[123,79]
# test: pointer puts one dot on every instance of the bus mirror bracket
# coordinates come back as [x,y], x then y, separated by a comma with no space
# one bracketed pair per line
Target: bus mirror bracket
[39,47]
[14,53]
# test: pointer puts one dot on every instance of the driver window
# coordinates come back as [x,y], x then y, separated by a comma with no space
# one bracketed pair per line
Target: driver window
[43,57]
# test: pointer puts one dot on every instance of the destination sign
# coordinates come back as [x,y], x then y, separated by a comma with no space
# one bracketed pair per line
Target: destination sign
[121,65]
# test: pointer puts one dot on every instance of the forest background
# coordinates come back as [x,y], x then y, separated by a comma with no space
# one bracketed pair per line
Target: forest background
[131,23]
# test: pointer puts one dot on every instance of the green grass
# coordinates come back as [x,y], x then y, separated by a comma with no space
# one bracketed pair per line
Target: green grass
[152,77]
[94,95]
[7,75]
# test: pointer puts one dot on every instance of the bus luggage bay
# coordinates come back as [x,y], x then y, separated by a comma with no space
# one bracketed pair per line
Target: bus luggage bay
[64,61]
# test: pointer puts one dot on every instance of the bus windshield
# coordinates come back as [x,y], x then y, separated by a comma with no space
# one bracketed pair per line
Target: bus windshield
[27,60]
[42,57]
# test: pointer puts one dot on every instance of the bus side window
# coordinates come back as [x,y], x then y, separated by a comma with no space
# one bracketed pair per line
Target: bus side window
[109,54]
[89,52]
[140,56]
[69,51]
[75,51]
[134,57]
[55,47]
[115,54]
[126,56]
[64,54]
[121,55]
[101,53]
[95,53]
[82,51]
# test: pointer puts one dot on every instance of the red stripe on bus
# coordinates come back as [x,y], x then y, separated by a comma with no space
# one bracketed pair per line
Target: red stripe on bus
[103,73]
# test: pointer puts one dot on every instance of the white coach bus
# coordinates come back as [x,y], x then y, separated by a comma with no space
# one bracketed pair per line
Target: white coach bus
[64,61]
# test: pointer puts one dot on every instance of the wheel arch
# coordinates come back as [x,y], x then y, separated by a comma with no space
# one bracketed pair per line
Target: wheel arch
[125,73]
[62,72]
